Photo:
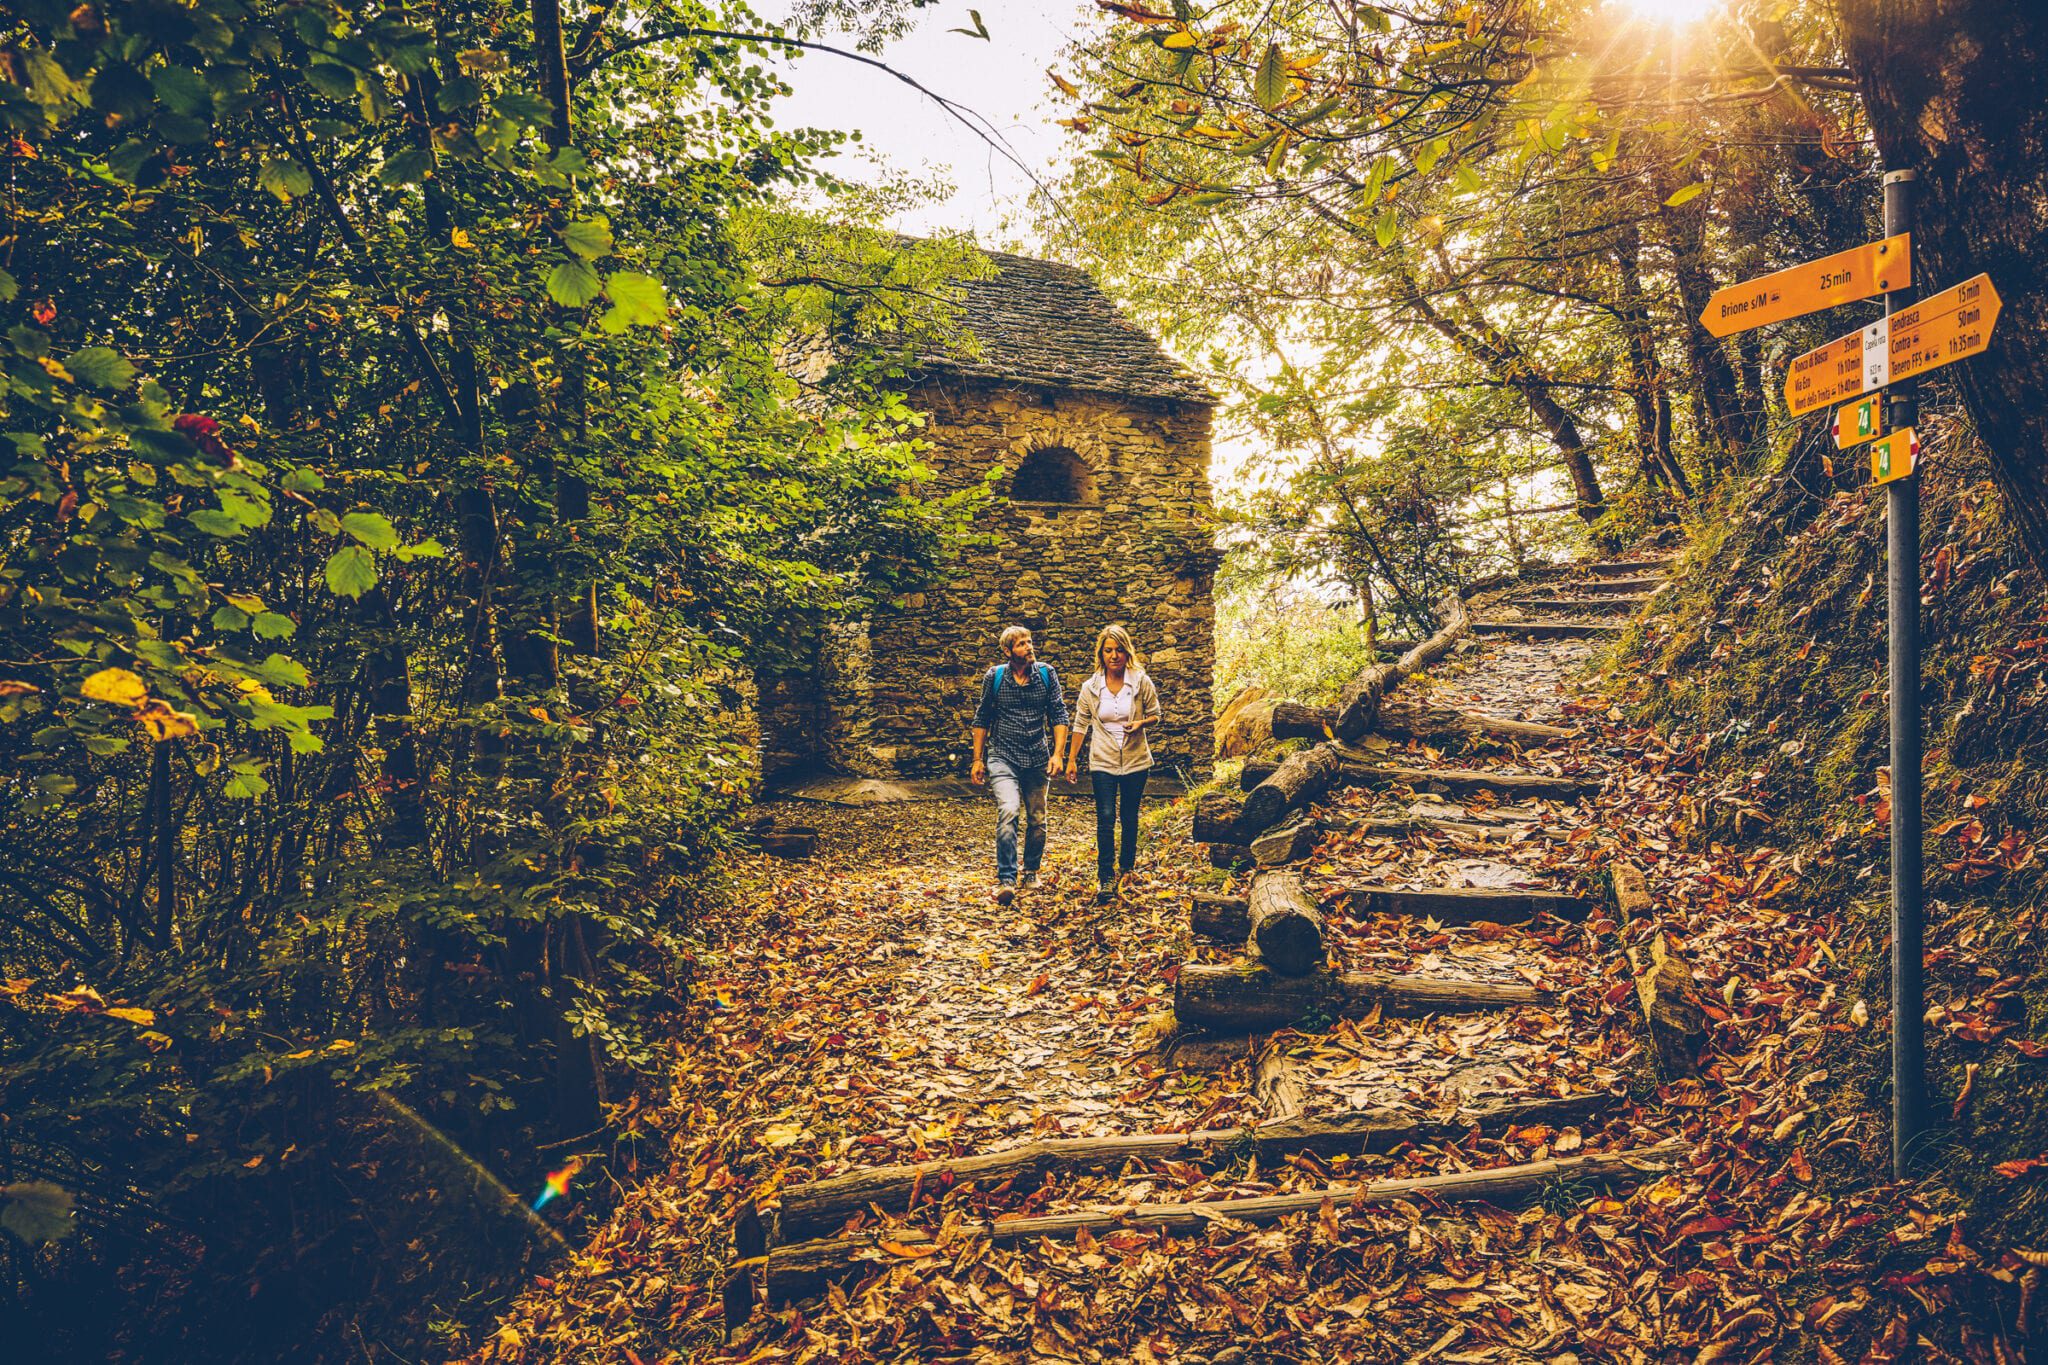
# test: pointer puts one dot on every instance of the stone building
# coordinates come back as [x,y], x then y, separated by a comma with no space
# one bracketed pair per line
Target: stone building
[1103,515]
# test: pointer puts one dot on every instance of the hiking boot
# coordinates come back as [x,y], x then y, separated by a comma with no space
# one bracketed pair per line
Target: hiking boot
[1004,894]
[1031,882]
[1105,896]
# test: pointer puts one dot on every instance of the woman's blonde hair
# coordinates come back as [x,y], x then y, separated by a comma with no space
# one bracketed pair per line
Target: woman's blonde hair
[1115,635]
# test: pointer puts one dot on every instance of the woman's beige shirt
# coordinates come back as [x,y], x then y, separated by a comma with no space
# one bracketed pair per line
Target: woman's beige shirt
[1104,753]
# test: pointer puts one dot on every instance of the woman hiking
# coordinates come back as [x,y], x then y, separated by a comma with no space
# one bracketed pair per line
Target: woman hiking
[1114,710]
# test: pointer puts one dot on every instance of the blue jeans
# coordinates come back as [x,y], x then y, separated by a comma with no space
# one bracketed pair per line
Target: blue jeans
[1114,790]
[1017,792]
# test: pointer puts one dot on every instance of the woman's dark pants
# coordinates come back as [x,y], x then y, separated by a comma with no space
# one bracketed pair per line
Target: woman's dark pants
[1112,791]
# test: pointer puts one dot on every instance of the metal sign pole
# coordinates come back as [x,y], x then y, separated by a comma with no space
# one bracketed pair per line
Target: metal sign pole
[1902,573]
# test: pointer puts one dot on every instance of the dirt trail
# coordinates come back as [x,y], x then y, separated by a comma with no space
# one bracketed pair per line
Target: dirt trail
[877,1007]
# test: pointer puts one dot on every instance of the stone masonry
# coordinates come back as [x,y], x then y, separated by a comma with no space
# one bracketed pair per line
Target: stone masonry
[1104,515]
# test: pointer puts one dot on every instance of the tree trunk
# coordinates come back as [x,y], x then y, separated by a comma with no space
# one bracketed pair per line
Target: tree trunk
[1505,362]
[1728,429]
[1362,697]
[1216,818]
[1246,999]
[1298,780]
[1953,90]
[1225,919]
[1286,927]
[1648,394]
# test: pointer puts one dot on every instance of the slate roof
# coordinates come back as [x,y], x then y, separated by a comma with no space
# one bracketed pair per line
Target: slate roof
[1040,322]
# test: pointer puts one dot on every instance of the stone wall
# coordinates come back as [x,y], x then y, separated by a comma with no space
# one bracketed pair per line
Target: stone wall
[902,691]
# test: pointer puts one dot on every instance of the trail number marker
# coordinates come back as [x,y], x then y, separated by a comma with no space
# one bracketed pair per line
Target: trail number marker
[1860,421]
[1939,330]
[1859,273]
[1894,456]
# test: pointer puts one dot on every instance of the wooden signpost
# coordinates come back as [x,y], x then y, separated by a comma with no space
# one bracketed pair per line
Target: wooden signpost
[1888,355]
[1859,421]
[1861,272]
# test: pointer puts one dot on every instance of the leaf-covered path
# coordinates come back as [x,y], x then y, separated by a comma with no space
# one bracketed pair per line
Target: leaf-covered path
[872,1006]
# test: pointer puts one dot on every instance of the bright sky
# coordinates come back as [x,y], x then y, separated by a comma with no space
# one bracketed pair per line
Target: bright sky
[1002,80]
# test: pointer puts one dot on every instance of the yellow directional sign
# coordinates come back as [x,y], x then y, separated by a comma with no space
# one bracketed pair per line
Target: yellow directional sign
[1828,374]
[1940,329]
[1858,273]
[1860,421]
[1952,325]
[1892,457]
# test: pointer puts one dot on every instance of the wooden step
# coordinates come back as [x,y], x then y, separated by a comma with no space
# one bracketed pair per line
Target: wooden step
[1610,567]
[1546,630]
[1593,606]
[1606,586]
[1244,998]
[1363,768]
[1453,905]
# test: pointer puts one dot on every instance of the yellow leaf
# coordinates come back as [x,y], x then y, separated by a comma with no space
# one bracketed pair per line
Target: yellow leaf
[342,1045]
[461,239]
[164,722]
[1067,87]
[115,686]
[143,1018]
[1180,39]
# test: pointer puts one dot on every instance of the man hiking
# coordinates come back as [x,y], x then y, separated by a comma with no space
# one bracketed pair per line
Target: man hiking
[1020,700]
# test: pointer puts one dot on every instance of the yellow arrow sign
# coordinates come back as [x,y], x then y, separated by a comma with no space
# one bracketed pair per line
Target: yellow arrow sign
[1892,456]
[1939,330]
[1859,421]
[1846,276]
[1950,326]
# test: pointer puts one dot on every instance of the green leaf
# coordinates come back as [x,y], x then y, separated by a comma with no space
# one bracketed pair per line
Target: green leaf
[182,91]
[573,284]
[638,300]
[271,625]
[1686,195]
[1467,178]
[247,511]
[285,178]
[302,481]
[1270,85]
[102,367]
[332,79]
[281,670]
[429,548]
[36,1211]
[408,166]
[215,522]
[589,238]
[1386,226]
[351,571]
[230,618]
[247,785]
[371,528]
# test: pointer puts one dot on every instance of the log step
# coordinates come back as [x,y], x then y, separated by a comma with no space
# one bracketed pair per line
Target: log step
[1628,567]
[1592,606]
[1608,586]
[823,1205]
[1454,905]
[1517,785]
[1242,998]
[1546,630]
[1357,771]
[793,1272]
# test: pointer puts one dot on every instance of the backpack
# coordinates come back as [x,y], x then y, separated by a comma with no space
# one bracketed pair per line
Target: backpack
[1001,671]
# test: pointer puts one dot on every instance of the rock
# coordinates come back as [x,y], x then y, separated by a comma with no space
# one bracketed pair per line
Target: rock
[1245,723]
